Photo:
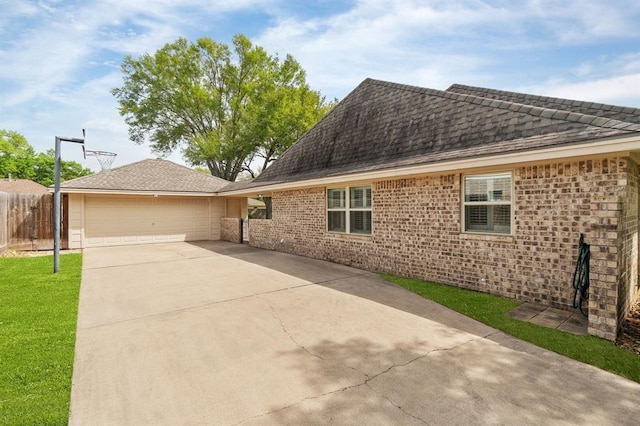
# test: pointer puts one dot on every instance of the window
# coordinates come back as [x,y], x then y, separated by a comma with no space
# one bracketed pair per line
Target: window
[487,203]
[349,210]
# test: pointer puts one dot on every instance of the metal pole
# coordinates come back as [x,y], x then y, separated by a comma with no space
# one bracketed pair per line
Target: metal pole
[56,210]
[56,200]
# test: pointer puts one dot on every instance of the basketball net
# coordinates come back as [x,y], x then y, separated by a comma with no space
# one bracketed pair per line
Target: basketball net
[104,158]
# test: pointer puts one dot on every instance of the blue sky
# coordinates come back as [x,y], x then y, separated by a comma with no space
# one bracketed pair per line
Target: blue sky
[60,58]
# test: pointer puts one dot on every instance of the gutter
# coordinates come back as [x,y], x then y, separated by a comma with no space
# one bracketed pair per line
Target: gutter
[621,146]
[133,192]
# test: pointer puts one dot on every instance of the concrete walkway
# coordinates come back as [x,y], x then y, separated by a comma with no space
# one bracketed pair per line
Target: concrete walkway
[216,333]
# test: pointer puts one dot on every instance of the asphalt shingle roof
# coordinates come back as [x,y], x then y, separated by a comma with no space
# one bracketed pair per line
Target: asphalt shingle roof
[383,125]
[149,175]
[628,114]
[22,186]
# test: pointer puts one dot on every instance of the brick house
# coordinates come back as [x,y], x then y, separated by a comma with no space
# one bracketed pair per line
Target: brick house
[477,188]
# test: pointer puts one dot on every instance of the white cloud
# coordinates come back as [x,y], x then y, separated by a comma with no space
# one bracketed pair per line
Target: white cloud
[64,37]
[441,42]
[394,40]
[13,10]
[619,90]
[607,64]
[579,21]
[606,79]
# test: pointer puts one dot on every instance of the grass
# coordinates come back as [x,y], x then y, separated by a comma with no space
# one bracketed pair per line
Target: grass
[38,312]
[492,310]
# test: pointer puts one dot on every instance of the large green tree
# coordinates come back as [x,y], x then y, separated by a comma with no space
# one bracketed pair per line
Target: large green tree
[223,108]
[283,110]
[19,160]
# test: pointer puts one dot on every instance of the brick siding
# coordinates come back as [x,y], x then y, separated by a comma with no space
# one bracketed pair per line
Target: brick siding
[417,233]
[628,244]
[231,229]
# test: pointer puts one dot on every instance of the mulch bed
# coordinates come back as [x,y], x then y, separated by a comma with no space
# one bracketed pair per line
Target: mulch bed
[629,336]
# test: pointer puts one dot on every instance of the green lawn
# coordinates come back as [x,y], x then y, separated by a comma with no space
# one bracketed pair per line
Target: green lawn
[492,311]
[38,313]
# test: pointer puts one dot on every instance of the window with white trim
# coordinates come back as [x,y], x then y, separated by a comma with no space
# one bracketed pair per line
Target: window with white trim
[349,210]
[487,203]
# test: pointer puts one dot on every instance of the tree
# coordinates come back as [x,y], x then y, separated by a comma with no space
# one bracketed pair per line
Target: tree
[14,143]
[222,108]
[284,110]
[19,160]
[16,155]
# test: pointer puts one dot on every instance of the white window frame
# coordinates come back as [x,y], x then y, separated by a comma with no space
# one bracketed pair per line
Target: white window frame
[509,202]
[347,209]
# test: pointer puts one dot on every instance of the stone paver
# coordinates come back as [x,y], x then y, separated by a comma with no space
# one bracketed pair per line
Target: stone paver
[526,311]
[571,322]
[576,324]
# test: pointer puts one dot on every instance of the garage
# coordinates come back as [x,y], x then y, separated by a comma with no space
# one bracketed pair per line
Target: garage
[138,220]
[151,201]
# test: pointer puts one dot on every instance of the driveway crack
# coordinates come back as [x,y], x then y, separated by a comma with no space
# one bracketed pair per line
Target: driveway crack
[357,385]
[396,405]
[411,361]
[301,346]
[308,398]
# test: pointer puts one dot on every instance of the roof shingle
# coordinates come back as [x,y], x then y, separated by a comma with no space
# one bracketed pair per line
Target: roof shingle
[149,175]
[631,115]
[381,125]
[21,186]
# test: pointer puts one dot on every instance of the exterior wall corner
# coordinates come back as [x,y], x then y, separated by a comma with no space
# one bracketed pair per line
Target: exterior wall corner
[231,229]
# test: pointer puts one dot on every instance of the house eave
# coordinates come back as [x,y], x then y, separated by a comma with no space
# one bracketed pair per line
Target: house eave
[620,146]
[91,191]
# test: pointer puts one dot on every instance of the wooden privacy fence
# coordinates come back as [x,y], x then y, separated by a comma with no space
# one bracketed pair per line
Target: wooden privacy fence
[4,211]
[30,222]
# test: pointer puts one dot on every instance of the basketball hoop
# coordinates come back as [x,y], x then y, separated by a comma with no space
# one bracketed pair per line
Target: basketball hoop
[104,158]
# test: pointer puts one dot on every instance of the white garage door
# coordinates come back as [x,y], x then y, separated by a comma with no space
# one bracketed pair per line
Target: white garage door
[111,221]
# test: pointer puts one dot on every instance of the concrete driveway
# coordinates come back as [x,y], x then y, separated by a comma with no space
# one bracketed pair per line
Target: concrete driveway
[225,334]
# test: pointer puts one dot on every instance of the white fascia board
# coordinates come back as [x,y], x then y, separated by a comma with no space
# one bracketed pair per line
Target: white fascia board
[122,192]
[612,146]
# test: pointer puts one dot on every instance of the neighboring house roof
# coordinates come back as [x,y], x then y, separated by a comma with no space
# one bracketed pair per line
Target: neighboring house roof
[252,202]
[21,186]
[235,186]
[383,125]
[147,176]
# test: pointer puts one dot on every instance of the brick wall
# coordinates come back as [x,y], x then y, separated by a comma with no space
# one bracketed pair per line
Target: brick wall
[417,223]
[231,229]
[555,203]
[628,243]
[261,234]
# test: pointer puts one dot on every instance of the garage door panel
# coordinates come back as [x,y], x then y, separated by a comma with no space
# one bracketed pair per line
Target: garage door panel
[137,220]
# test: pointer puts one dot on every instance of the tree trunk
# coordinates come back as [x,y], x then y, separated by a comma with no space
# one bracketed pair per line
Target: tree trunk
[269,205]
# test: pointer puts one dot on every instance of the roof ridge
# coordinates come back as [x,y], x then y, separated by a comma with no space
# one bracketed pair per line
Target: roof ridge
[573,102]
[116,172]
[185,167]
[555,114]
[81,178]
